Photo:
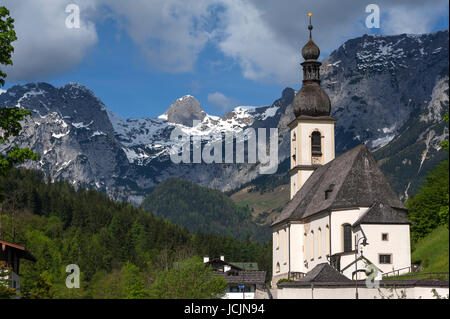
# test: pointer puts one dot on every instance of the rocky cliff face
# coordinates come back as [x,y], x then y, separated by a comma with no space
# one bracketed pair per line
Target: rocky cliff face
[382,90]
[376,82]
[184,111]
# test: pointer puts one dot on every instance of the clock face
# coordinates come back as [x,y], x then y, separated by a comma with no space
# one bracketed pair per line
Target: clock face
[315,160]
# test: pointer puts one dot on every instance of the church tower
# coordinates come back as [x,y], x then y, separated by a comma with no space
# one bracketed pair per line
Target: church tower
[312,132]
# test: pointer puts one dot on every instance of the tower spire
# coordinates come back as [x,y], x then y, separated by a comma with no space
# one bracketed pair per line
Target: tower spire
[310,27]
[311,100]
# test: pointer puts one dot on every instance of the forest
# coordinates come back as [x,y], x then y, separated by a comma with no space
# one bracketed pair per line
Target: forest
[117,246]
[200,208]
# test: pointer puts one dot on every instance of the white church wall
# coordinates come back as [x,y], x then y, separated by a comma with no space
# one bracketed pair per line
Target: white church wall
[316,245]
[305,129]
[338,219]
[363,292]
[280,252]
[397,245]
[297,246]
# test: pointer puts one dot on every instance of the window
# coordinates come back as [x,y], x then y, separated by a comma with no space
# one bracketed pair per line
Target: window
[347,229]
[316,144]
[319,243]
[234,289]
[385,237]
[327,239]
[312,245]
[278,267]
[328,191]
[385,259]
[305,246]
[277,240]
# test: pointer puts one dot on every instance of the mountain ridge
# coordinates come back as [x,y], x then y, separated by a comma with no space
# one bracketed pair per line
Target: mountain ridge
[81,141]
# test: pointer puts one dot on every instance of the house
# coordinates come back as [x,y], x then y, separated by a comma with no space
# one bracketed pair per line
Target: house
[243,281]
[342,211]
[10,255]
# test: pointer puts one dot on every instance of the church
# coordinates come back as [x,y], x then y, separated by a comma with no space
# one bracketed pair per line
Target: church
[342,211]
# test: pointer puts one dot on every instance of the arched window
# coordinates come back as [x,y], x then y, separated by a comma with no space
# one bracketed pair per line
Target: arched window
[278,267]
[327,240]
[347,237]
[319,242]
[277,240]
[312,245]
[316,144]
[305,247]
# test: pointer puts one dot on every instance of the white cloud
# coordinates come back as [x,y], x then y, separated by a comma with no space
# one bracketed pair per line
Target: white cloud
[221,102]
[45,47]
[264,37]
[411,19]
[248,38]
[169,33]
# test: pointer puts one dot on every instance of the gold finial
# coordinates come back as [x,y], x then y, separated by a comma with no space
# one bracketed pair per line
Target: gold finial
[310,27]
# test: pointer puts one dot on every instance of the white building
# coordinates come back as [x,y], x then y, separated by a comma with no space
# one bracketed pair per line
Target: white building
[244,282]
[337,204]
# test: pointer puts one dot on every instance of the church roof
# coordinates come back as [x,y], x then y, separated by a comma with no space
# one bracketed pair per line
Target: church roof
[324,273]
[351,180]
[381,213]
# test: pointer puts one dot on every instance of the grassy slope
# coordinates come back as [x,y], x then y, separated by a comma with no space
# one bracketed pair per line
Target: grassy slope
[432,251]
[265,207]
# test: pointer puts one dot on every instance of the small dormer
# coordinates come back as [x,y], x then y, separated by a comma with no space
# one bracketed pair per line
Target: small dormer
[328,191]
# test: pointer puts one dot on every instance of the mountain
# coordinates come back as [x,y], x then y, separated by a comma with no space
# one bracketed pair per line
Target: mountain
[381,88]
[377,82]
[184,111]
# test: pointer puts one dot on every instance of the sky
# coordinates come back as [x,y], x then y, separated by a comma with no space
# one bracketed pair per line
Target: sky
[139,56]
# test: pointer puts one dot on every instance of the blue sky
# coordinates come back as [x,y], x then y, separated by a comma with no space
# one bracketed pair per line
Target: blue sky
[139,57]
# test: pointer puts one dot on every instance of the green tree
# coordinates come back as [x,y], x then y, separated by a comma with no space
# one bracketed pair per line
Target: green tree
[133,282]
[429,208]
[10,117]
[5,291]
[189,279]
[7,36]
[42,288]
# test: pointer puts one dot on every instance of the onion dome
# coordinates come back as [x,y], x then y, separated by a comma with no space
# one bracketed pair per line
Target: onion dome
[311,100]
[311,51]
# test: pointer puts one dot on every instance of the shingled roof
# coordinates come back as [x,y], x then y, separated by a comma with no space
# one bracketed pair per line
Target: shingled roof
[244,277]
[351,180]
[324,273]
[381,213]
